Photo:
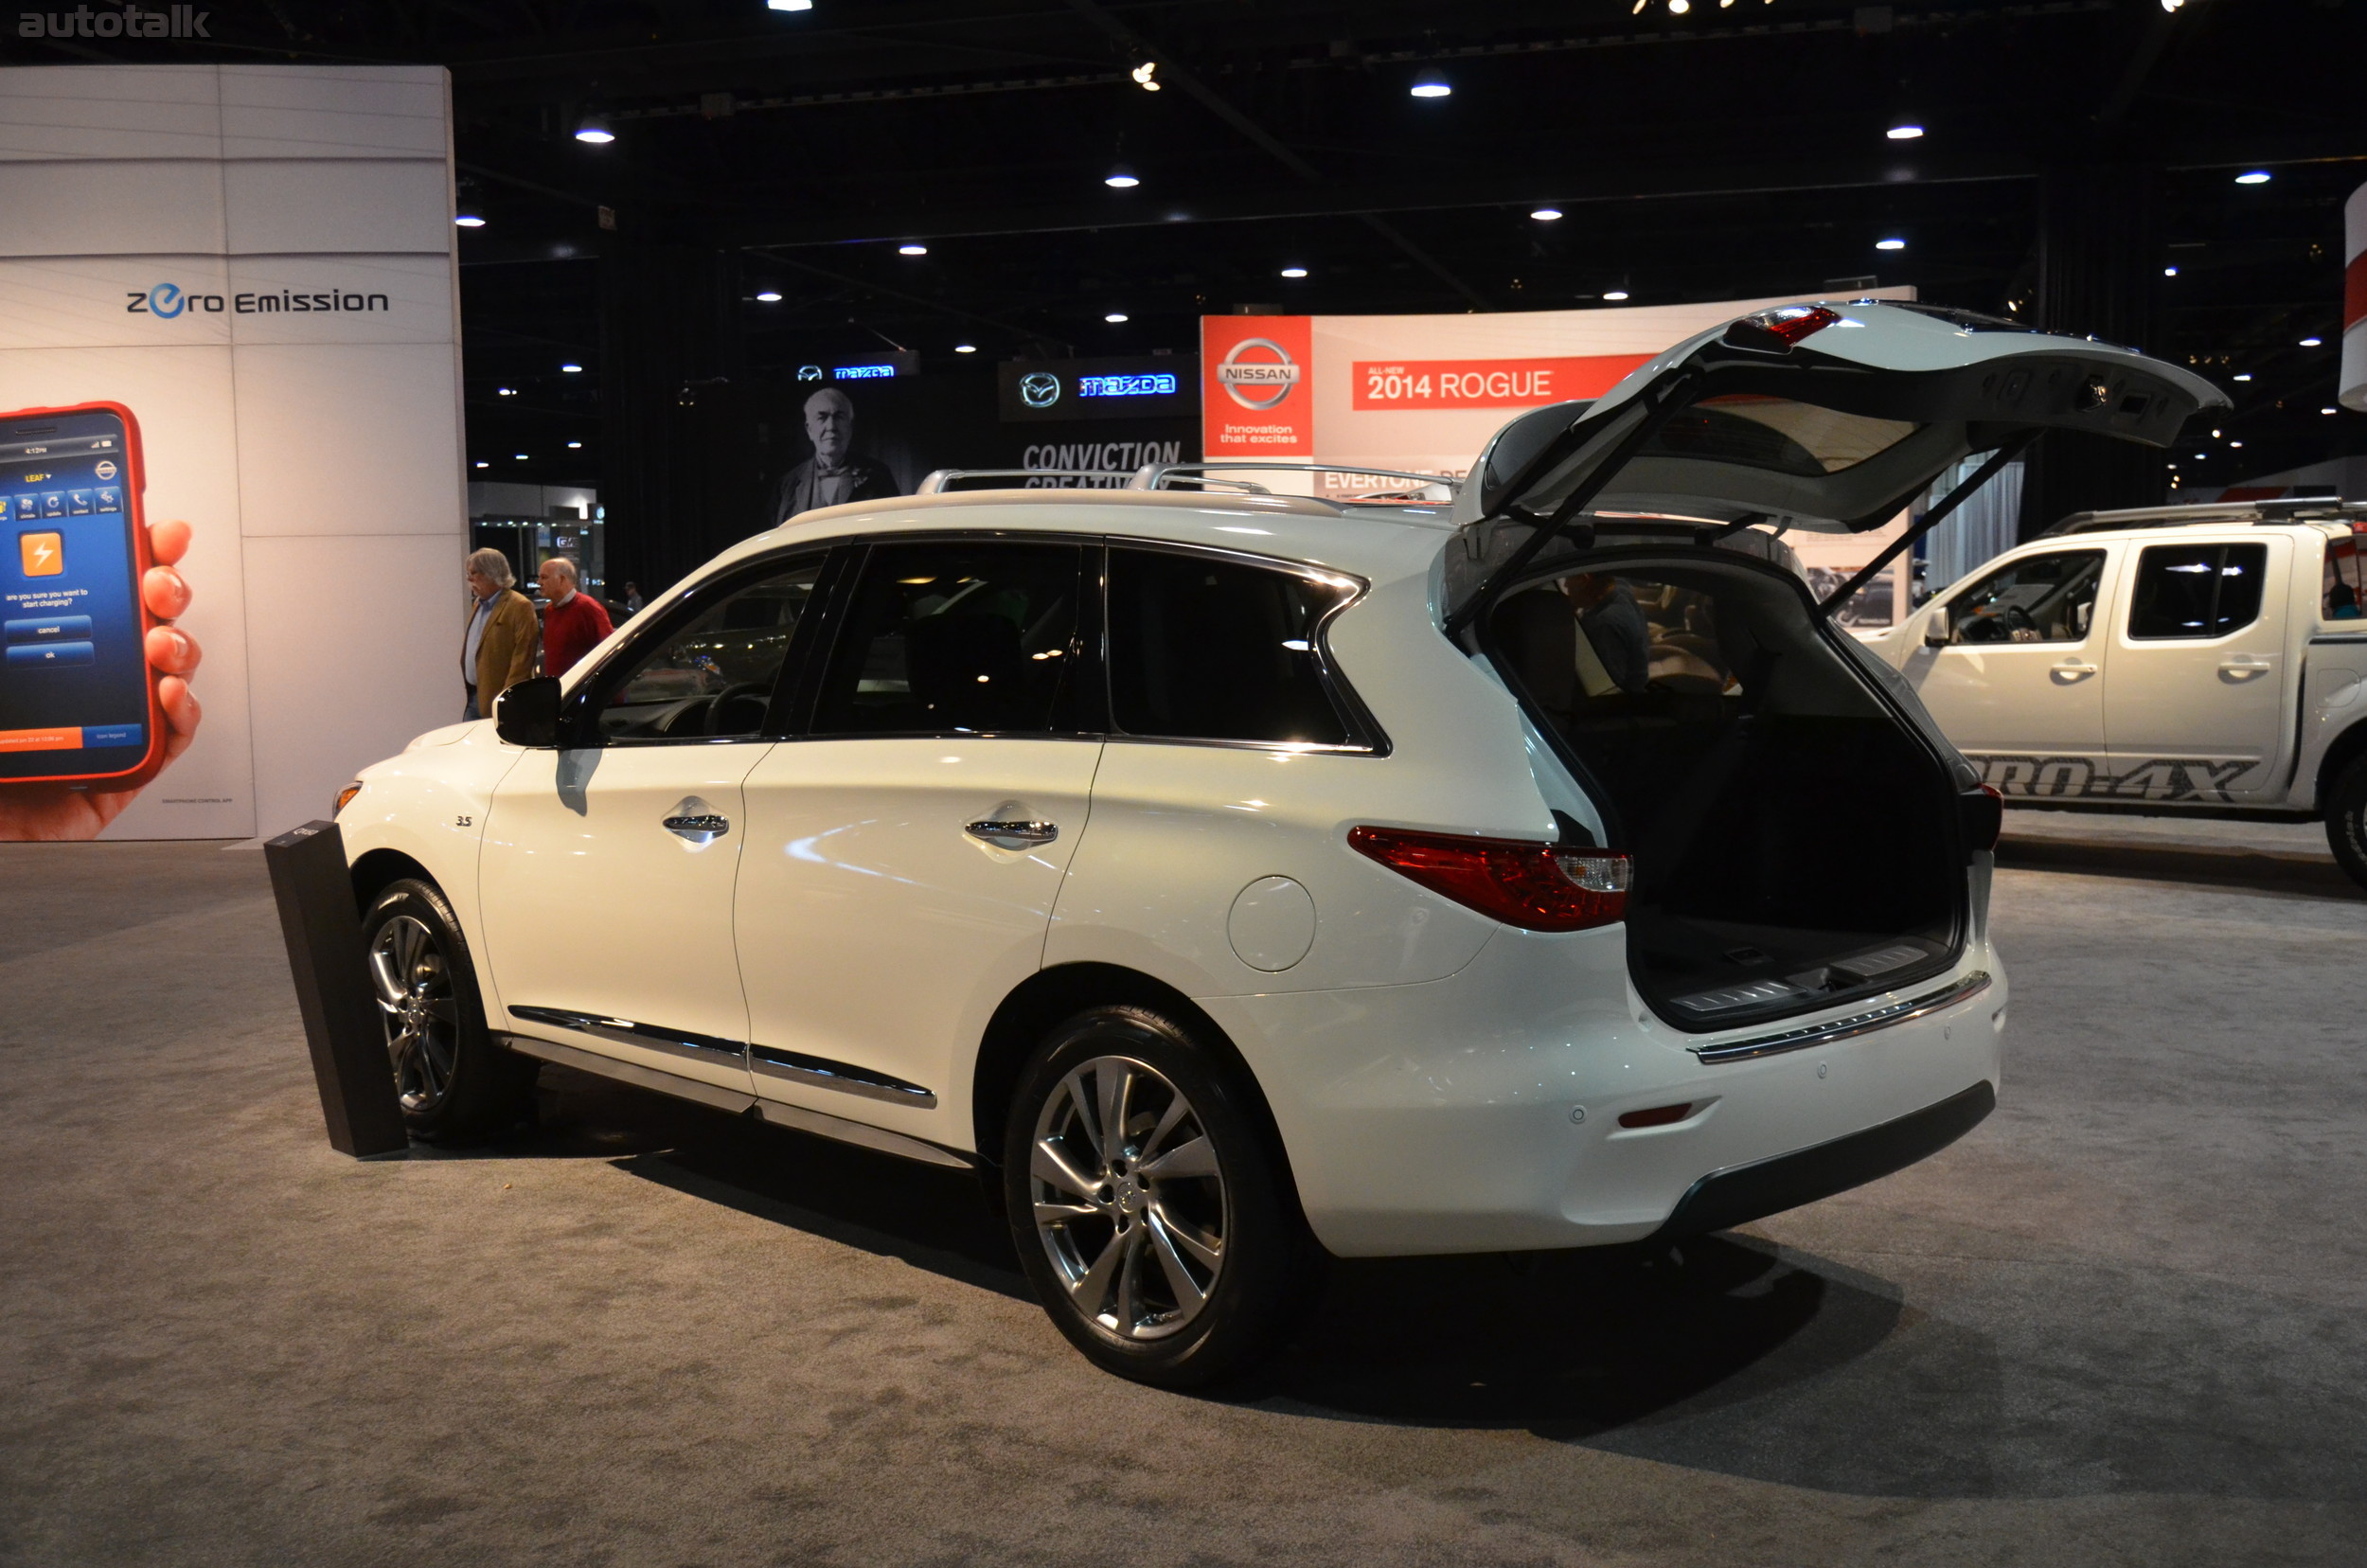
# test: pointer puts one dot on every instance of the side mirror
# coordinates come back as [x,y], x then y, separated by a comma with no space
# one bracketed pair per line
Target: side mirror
[1937,630]
[527,713]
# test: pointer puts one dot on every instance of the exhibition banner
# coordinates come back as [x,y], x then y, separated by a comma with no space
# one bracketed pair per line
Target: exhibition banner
[230,441]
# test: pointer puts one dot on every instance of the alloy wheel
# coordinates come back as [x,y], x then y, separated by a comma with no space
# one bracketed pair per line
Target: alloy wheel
[412,984]
[1129,1200]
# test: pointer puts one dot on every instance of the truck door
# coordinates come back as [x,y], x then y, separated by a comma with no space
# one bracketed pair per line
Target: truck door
[2019,687]
[2198,709]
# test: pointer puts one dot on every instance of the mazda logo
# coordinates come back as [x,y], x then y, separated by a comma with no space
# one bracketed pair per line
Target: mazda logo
[1039,389]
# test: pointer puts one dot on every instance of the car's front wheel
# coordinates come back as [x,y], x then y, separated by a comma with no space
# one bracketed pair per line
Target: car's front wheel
[1148,1206]
[2346,819]
[454,1081]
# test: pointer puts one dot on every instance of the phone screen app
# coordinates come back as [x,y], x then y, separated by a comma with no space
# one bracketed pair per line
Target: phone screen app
[73,673]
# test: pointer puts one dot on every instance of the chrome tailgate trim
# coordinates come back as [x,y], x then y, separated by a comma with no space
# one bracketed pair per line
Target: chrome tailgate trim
[1844,1029]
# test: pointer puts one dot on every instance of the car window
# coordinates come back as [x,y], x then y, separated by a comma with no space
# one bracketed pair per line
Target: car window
[1202,648]
[2343,596]
[714,676]
[1781,433]
[2197,590]
[957,638]
[2037,599]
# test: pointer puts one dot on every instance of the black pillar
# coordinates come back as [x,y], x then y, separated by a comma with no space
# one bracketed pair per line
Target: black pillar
[670,369]
[2099,274]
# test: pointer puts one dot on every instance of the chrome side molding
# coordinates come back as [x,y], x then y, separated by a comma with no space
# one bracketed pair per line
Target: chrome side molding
[797,1067]
[1844,1029]
[650,1037]
[856,1132]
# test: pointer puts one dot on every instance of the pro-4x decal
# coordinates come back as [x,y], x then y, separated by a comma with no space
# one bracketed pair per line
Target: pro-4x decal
[2169,778]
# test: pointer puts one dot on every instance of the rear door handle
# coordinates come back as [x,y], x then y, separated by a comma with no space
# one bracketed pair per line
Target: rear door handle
[705,828]
[2071,669]
[1005,834]
[2246,664]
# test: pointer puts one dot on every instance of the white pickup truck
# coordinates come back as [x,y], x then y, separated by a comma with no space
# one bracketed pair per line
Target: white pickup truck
[2174,659]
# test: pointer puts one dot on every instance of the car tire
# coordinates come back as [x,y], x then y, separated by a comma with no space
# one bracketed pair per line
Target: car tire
[1173,1254]
[454,1081]
[2346,819]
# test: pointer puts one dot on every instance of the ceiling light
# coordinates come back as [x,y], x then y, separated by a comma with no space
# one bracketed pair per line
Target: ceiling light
[769,296]
[1294,272]
[505,391]
[1894,244]
[2311,342]
[1904,131]
[571,369]
[575,446]
[1616,294]
[2325,411]
[2214,434]
[1114,318]
[1429,85]
[469,220]
[965,348]
[2236,443]
[522,456]
[912,250]
[2200,455]
[595,132]
[1546,215]
[2246,376]
[2169,272]
[789,5]
[1677,7]
[2255,176]
[1121,178]
[1143,74]
[481,463]
[2172,5]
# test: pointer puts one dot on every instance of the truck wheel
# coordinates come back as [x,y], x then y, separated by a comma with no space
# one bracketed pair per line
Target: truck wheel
[452,1080]
[1147,1209]
[2346,820]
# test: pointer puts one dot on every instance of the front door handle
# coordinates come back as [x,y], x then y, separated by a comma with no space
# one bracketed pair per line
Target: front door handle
[702,827]
[1007,834]
[2071,669]
[2245,666]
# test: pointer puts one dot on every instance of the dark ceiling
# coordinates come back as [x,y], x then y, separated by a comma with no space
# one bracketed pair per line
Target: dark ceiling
[1736,150]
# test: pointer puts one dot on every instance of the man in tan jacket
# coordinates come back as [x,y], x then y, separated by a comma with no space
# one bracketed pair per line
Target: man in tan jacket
[500,645]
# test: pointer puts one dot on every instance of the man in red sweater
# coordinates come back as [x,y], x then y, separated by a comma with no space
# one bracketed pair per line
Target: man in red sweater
[572,623]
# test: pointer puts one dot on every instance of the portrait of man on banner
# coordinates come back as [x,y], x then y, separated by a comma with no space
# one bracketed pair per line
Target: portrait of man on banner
[836,474]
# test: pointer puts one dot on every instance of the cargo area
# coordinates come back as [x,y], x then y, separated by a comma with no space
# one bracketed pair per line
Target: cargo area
[1795,841]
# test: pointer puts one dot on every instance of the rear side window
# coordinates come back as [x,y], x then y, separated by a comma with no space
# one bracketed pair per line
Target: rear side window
[1208,649]
[957,638]
[2197,590]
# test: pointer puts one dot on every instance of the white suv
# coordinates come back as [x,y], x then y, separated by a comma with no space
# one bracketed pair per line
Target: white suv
[1232,877]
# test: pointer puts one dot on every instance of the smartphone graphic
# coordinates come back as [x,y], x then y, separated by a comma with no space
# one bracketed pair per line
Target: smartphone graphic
[77,702]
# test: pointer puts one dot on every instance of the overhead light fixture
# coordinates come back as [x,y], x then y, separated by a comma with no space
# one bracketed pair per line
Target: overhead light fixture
[2246,376]
[2236,443]
[1114,318]
[571,369]
[2253,176]
[769,296]
[2325,411]
[522,456]
[1142,74]
[2311,342]
[468,220]
[1429,85]
[2214,434]
[1905,131]
[912,250]
[481,463]
[505,391]
[2172,5]
[595,132]
[1121,178]
[1677,7]
[1294,272]
[575,446]
[787,5]
[2169,272]
[1615,295]
[1893,244]
[965,348]
[2200,456]
[1546,215]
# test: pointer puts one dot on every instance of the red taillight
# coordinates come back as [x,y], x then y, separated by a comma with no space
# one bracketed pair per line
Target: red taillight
[1534,885]
[1781,327]
[1659,1116]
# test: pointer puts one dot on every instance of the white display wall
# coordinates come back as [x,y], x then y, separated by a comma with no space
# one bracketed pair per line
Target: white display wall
[317,454]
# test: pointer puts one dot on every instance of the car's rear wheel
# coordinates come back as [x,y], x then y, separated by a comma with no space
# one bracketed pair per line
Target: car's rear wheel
[2346,819]
[454,1081]
[1148,1206]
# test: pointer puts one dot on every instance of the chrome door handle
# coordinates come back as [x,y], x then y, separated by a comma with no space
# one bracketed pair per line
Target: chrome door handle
[2071,669]
[2246,664]
[703,828]
[1011,835]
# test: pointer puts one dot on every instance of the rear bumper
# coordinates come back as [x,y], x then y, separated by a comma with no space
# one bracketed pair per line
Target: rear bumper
[1481,1113]
[1735,1197]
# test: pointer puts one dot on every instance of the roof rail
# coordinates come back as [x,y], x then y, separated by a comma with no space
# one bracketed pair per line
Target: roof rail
[2300,508]
[1155,475]
[937,481]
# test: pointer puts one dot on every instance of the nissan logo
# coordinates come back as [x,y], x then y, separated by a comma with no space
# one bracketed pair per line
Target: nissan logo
[1039,389]
[1258,384]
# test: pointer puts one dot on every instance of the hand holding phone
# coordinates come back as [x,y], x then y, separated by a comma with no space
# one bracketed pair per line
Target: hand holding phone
[31,810]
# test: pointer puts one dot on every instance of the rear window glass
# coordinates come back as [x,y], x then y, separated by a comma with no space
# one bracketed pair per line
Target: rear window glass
[2197,590]
[1776,432]
[1208,649]
[2345,594]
